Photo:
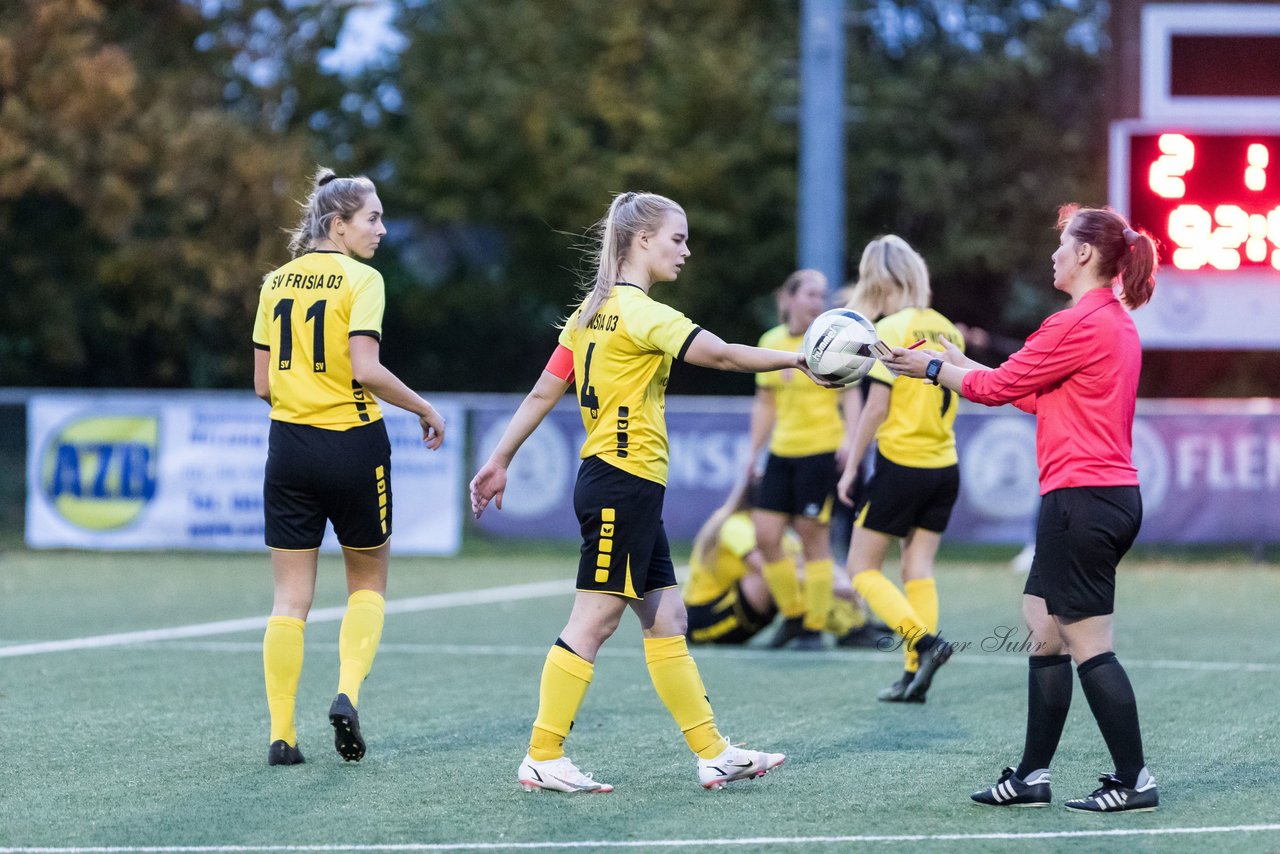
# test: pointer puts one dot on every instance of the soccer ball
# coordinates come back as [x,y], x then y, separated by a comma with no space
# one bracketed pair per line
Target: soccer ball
[837,346]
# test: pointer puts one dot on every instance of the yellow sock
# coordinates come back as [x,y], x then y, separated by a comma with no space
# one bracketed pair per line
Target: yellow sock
[819,577]
[675,677]
[565,679]
[358,641]
[889,604]
[282,666]
[922,593]
[843,617]
[781,578]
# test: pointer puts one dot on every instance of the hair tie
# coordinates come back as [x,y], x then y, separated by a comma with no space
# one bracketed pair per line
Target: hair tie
[326,179]
[1130,236]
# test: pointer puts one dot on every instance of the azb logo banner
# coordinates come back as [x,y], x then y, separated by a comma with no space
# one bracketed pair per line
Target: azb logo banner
[184,471]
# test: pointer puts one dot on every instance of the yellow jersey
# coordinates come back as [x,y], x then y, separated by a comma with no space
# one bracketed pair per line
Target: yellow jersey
[621,364]
[307,310]
[725,562]
[919,430]
[807,418]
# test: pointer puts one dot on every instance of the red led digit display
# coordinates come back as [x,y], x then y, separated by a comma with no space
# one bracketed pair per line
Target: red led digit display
[1213,199]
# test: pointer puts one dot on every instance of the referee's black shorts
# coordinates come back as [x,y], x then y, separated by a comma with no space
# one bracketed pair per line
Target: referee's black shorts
[899,498]
[314,475]
[1081,534]
[624,545]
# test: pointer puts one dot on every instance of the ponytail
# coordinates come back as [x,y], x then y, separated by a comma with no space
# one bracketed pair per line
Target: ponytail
[891,276]
[628,215]
[331,198]
[1124,253]
[1138,271]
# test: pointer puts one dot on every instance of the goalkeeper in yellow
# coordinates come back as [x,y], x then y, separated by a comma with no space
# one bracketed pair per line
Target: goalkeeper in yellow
[618,347]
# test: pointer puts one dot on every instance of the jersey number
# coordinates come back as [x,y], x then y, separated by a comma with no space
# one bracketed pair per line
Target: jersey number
[587,392]
[284,312]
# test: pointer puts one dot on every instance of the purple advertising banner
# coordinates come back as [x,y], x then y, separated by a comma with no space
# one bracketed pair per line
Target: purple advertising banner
[1210,470]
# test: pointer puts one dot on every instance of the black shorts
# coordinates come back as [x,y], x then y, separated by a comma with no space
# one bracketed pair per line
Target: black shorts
[799,486]
[1081,534]
[899,498]
[313,475]
[730,619]
[624,545]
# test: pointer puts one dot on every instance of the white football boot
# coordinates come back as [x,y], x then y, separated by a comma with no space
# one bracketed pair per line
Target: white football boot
[736,763]
[557,775]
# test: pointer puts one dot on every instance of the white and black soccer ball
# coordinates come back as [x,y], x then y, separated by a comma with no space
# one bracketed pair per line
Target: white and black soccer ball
[837,346]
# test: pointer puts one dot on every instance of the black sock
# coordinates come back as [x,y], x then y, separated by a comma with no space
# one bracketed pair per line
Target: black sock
[1110,696]
[1048,700]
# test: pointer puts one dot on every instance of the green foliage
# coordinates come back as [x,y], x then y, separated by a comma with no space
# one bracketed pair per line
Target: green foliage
[528,114]
[137,214]
[151,150]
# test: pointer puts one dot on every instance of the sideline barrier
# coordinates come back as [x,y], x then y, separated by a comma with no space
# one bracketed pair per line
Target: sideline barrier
[1210,470]
[166,470]
[184,471]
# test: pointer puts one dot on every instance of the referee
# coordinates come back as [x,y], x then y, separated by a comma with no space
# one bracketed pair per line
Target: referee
[1079,375]
[316,361]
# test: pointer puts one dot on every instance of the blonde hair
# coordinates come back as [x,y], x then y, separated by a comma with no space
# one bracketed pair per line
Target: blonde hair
[791,285]
[891,277]
[331,197]
[628,215]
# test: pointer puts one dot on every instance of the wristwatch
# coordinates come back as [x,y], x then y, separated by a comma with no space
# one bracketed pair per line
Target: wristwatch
[931,372]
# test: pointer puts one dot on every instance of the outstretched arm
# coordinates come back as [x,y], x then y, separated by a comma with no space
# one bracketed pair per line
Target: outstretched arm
[708,350]
[491,481]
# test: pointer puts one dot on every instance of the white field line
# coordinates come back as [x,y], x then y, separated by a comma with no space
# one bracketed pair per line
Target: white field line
[656,843]
[511,593]
[435,601]
[702,652]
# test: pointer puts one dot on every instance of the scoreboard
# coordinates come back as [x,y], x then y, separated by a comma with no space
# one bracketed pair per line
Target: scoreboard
[1212,198]
[1198,166]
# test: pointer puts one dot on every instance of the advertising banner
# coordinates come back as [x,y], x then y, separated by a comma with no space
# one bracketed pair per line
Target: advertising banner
[1210,470]
[184,471]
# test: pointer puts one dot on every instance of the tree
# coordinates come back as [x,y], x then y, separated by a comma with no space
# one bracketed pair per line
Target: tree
[520,118]
[137,214]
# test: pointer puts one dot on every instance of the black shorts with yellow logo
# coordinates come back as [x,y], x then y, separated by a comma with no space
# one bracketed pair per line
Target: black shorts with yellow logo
[728,619]
[624,545]
[314,475]
[799,486]
[899,498]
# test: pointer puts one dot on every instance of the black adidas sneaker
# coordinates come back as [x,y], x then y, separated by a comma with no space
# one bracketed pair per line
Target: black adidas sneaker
[1009,791]
[1114,796]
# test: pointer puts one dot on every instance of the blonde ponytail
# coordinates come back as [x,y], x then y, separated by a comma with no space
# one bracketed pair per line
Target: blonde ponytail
[331,197]
[628,215]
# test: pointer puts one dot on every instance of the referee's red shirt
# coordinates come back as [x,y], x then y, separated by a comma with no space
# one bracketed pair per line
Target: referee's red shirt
[1078,373]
